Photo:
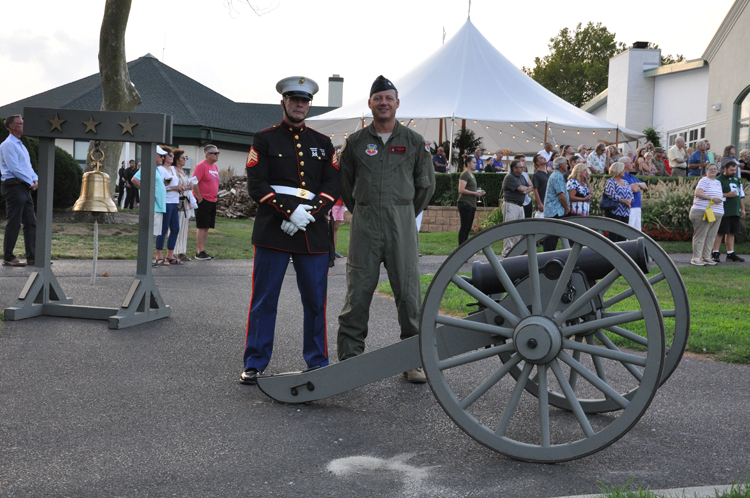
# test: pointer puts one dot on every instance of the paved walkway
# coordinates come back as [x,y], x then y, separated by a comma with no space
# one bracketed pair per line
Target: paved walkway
[156,410]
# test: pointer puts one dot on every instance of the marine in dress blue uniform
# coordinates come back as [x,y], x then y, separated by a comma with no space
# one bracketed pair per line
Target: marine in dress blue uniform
[293,176]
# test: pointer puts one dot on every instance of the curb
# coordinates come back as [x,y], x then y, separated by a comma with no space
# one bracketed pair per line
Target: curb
[695,492]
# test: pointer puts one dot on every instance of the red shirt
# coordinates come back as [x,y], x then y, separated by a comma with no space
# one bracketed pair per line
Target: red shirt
[208,180]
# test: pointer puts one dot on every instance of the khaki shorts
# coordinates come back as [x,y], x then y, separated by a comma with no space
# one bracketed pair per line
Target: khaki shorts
[158,217]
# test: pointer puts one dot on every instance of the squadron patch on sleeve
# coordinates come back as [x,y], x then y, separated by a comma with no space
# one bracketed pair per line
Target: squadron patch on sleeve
[252,158]
[427,146]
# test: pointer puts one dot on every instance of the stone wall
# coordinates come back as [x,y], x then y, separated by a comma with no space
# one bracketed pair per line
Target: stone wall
[441,218]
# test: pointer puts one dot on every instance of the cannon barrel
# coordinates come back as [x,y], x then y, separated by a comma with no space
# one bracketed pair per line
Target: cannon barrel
[590,262]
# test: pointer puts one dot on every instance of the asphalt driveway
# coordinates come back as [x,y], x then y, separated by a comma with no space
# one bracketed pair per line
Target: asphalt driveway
[156,409]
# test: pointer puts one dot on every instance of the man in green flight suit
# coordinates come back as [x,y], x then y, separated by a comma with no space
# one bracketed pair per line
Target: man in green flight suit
[387,179]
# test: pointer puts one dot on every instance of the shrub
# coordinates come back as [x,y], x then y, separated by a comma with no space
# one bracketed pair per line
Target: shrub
[68,177]
[666,207]
[68,172]
[494,218]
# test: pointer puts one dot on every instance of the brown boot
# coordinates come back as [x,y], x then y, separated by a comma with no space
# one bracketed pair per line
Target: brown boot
[415,376]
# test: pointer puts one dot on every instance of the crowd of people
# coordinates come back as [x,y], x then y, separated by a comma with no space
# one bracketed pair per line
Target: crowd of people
[561,187]
[177,198]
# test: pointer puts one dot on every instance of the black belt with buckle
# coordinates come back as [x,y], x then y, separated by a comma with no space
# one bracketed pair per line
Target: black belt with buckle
[514,202]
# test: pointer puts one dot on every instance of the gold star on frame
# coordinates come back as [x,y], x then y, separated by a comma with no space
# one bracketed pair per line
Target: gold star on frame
[127,126]
[56,123]
[91,124]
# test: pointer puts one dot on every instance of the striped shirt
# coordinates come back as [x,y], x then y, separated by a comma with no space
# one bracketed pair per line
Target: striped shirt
[615,191]
[711,188]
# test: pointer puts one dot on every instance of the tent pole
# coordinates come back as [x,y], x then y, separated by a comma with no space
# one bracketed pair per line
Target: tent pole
[450,152]
[617,138]
[440,140]
[546,126]
[463,134]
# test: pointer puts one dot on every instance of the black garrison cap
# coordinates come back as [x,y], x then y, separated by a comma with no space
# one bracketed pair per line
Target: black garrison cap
[380,84]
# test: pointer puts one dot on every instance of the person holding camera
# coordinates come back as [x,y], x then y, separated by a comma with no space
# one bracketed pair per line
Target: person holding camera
[171,221]
[515,190]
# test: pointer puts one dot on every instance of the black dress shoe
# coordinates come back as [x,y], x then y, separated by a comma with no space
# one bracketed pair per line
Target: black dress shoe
[250,376]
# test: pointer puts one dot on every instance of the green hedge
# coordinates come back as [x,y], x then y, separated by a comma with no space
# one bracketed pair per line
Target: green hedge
[68,173]
[446,186]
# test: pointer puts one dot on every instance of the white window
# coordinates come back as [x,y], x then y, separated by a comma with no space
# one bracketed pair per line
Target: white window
[690,135]
[80,151]
[695,134]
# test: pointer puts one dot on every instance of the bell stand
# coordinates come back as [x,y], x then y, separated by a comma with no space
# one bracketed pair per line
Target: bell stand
[42,295]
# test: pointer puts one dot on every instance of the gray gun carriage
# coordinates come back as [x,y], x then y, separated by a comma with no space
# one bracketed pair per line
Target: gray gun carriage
[562,352]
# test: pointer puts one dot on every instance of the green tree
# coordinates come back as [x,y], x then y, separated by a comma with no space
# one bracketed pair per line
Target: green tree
[653,136]
[667,59]
[577,67]
[464,143]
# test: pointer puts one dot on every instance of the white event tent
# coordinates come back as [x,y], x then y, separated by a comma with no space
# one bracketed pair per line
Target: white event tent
[469,79]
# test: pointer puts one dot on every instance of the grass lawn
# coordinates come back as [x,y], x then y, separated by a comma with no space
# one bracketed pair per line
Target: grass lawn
[718,295]
[737,490]
[718,304]
[229,240]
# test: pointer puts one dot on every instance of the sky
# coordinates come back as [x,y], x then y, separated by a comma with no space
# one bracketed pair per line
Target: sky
[227,47]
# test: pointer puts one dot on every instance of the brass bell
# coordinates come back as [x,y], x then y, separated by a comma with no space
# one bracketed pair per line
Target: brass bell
[95,196]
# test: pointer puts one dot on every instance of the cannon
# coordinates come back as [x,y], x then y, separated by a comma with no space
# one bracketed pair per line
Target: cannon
[559,356]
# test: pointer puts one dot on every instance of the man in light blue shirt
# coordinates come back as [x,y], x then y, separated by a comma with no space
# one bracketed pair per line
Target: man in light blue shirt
[18,181]
[556,200]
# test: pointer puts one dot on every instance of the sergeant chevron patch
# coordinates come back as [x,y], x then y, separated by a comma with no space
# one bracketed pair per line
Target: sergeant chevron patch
[252,158]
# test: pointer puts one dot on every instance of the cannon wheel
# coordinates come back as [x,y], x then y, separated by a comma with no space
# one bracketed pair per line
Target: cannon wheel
[493,409]
[669,273]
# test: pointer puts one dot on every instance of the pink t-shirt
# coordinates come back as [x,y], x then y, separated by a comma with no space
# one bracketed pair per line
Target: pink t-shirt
[208,180]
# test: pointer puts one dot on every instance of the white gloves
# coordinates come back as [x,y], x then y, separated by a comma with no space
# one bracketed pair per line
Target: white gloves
[300,217]
[288,227]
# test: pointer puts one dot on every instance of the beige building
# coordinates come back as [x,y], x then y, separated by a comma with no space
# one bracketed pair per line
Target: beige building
[701,98]
[728,58]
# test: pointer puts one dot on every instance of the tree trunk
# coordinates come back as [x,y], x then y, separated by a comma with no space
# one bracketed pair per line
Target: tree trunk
[118,93]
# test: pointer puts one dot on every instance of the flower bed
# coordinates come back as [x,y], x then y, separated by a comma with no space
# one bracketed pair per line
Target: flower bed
[663,234]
